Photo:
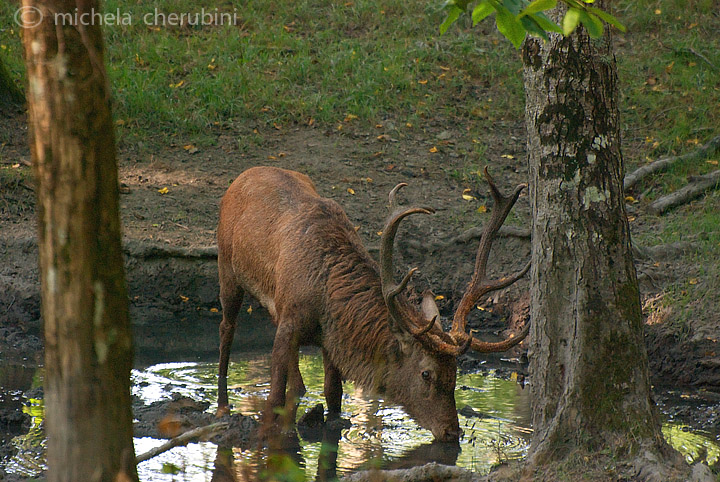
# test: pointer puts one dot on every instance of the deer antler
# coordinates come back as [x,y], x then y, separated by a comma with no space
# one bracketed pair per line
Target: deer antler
[389,288]
[457,341]
[479,284]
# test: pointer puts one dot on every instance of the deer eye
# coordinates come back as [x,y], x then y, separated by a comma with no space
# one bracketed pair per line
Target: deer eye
[426,375]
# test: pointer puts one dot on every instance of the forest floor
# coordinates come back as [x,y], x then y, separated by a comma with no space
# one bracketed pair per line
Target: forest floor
[169,198]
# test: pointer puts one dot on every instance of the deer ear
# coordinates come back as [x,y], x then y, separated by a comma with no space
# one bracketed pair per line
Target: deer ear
[429,308]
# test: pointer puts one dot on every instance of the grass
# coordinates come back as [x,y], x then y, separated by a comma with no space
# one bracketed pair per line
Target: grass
[365,62]
[302,62]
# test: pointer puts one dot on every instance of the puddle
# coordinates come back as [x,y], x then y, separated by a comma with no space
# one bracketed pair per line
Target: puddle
[380,435]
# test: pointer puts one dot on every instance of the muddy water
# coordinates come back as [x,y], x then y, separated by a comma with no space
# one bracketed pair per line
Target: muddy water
[380,435]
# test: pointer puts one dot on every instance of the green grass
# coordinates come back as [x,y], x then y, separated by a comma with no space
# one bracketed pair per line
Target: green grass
[296,62]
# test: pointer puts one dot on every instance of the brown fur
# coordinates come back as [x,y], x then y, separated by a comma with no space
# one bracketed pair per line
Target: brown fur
[300,256]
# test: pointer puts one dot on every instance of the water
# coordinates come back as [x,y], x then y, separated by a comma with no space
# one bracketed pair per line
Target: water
[381,435]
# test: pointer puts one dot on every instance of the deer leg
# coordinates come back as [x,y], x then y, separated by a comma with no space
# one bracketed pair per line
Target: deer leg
[285,355]
[231,297]
[333,387]
[295,381]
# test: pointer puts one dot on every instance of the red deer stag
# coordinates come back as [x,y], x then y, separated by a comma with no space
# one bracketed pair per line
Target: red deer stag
[299,255]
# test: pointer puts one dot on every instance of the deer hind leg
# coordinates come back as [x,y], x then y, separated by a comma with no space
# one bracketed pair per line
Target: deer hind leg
[231,297]
[333,387]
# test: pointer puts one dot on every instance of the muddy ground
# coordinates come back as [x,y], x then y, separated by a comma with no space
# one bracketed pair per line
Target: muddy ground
[356,166]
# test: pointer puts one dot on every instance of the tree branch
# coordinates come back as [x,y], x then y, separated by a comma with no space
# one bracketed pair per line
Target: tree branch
[145,250]
[707,150]
[201,432]
[697,186]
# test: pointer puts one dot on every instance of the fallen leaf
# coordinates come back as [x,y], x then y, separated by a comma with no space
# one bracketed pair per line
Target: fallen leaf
[272,158]
[213,310]
[508,156]
[439,297]
[277,126]
[15,166]
[713,162]
[379,233]
[164,190]
[482,209]
[630,199]
[422,82]
[433,149]
[693,281]
[178,85]
[184,299]
[351,191]
[466,195]
[249,310]
[383,137]
[350,117]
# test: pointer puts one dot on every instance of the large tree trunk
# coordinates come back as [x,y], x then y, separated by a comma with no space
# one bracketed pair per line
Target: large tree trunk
[588,359]
[88,344]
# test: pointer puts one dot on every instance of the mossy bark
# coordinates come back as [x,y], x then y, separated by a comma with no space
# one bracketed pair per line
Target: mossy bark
[88,344]
[588,360]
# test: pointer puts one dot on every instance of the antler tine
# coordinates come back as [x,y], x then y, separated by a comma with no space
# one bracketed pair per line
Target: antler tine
[393,192]
[479,285]
[389,289]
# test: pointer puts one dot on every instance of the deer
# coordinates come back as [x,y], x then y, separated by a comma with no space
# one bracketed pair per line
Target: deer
[299,255]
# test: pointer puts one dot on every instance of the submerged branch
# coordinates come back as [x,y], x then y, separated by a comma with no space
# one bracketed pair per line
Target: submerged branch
[190,436]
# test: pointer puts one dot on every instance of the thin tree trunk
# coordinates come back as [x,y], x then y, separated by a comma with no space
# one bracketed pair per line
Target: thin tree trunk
[588,359]
[88,344]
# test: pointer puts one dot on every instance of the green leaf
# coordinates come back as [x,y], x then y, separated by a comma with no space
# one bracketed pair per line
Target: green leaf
[570,21]
[593,24]
[510,26]
[607,18]
[513,6]
[546,24]
[480,12]
[453,14]
[538,6]
[533,27]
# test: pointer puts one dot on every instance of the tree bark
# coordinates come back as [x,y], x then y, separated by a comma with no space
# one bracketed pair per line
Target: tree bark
[88,344]
[587,355]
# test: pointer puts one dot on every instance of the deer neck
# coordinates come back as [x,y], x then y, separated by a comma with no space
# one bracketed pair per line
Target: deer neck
[357,335]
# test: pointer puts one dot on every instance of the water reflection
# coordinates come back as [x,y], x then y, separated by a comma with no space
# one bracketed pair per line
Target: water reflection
[380,435]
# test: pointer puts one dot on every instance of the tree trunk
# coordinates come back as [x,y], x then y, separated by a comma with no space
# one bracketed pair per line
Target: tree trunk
[88,344]
[588,360]
[9,91]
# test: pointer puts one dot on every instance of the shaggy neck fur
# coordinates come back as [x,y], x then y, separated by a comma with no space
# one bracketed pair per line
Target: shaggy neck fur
[357,335]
